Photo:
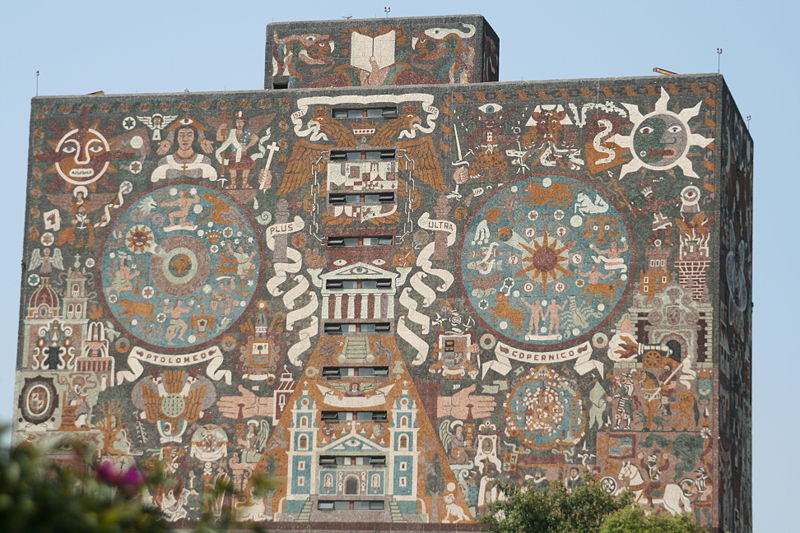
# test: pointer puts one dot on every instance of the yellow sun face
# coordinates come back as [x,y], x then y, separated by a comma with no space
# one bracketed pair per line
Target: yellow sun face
[661,140]
[545,260]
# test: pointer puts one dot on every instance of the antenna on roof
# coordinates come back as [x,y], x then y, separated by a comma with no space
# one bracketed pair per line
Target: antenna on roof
[719,56]
[37,83]
[747,118]
[664,71]
[387,10]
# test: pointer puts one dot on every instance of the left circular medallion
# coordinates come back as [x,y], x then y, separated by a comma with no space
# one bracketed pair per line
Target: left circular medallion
[180,266]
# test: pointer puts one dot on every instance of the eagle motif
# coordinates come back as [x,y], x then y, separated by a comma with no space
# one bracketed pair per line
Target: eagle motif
[172,400]
[396,133]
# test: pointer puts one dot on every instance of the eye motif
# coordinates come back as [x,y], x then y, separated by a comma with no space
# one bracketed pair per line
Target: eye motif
[646,130]
[490,108]
[675,128]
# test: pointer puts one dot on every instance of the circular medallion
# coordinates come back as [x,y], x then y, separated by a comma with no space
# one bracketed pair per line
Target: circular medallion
[38,399]
[545,410]
[545,260]
[180,266]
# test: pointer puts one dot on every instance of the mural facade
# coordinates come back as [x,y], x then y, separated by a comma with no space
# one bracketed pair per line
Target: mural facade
[396,298]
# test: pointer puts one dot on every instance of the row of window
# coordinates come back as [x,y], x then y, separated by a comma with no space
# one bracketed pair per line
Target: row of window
[341,328]
[377,240]
[385,154]
[365,112]
[344,284]
[343,416]
[361,198]
[332,461]
[344,505]
[337,372]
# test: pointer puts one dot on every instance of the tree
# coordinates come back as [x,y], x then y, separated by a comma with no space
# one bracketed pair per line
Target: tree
[633,520]
[555,510]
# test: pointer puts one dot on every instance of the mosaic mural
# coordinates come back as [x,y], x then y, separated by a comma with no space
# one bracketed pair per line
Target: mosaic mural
[396,300]
[368,53]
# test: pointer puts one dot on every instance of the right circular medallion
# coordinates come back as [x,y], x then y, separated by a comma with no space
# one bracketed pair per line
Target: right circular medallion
[545,260]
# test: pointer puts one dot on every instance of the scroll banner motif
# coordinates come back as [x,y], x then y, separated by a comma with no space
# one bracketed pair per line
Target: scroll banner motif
[428,294]
[213,356]
[581,354]
[432,224]
[301,287]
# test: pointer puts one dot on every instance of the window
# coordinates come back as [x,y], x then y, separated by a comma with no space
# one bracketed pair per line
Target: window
[365,112]
[301,481]
[345,505]
[403,465]
[362,155]
[345,284]
[346,416]
[403,481]
[345,198]
[327,460]
[378,240]
[302,442]
[338,328]
[403,442]
[338,372]
[301,465]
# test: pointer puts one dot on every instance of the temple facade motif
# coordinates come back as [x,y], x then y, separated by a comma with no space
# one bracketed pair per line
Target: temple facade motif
[396,284]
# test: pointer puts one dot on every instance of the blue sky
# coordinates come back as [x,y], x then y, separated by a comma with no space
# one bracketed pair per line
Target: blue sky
[148,46]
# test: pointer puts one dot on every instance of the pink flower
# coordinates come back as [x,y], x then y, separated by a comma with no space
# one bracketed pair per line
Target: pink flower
[132,477]
[107,472]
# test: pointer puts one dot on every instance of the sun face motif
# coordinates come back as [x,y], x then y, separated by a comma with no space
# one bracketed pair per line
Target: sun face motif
[139,239]
[661,140]
[546,260]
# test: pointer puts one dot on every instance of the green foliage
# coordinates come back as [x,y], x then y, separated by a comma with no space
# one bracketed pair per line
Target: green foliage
[555,510]
[74,494]
[633,520]
[40,495]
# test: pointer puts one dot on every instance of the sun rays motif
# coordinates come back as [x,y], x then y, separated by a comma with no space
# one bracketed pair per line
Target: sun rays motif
[661,140]
[544,259]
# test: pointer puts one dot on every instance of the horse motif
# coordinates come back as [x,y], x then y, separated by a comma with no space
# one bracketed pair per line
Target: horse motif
[675,499]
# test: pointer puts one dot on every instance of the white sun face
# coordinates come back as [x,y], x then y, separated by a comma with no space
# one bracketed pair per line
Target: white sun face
[660,140]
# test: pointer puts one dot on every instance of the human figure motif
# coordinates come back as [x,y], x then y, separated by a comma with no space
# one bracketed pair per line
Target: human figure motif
[80,232]
[540,482]
[244,262]
[458,448]
[185,162]
[612,257]
[78,398]
[537,313]
[598,404]
[626,402]
[122,278]
[574,479]
[236,142]
[46,260]
[594,276]
[552,315]
[184,202]
[177,326]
